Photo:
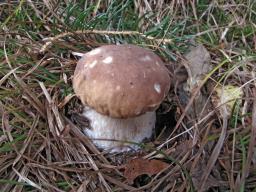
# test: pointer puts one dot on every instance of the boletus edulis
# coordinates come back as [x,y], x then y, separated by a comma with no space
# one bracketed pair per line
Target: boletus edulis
[120,86]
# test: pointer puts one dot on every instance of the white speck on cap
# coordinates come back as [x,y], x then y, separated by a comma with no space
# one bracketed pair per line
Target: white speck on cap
[108,60]
[94,52]
[137,111]
[146,58]
[157,87]
[93,64]
[144,75]
[118,87]
[157,63]
[154,105]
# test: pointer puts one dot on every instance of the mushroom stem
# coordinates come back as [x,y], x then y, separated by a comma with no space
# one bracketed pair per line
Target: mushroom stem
[119,135]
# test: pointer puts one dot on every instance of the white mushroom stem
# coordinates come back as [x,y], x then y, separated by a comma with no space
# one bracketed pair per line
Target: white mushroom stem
[115,134]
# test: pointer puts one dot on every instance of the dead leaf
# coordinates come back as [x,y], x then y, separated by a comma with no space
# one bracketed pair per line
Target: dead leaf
[139,166]
[226,98]
[198,64]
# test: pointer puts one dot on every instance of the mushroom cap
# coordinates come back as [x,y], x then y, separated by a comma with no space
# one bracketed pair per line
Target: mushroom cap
[121,81]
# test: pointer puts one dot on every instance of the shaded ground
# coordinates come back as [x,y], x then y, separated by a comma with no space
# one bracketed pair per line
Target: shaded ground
[41,144]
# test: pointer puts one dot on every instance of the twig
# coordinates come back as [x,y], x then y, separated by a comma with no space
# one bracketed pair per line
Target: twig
[51,40]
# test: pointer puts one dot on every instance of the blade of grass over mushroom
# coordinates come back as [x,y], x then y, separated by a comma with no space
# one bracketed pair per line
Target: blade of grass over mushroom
[51,40]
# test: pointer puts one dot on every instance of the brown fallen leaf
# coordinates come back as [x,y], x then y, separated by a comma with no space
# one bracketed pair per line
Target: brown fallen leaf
[197,63]
[226,97]
[139,166]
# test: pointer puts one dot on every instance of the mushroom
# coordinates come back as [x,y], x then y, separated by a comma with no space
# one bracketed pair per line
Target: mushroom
[121,86]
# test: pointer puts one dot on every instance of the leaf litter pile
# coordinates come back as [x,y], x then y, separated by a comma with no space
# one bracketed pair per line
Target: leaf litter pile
[205,136]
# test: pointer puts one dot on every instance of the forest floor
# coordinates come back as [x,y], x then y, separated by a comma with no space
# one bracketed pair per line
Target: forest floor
[205,137]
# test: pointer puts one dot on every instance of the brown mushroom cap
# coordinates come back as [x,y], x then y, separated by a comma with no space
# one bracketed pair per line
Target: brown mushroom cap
[121,81]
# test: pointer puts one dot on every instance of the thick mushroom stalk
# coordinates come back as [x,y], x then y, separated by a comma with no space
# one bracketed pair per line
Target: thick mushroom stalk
[122,85]
[119,135]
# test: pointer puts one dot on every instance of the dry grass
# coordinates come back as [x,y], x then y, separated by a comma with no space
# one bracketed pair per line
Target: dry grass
[42,147]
